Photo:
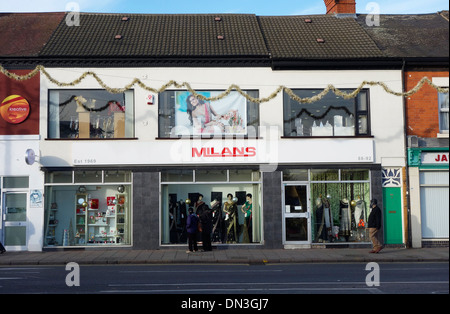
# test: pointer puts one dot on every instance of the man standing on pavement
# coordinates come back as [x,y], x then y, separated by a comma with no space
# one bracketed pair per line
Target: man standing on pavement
[374,225]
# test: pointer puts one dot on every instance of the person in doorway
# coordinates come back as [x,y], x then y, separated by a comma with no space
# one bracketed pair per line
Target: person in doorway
[374,226]
[191,228]
[2,248]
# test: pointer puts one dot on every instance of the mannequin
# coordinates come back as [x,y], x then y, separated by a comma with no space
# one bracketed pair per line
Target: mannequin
[328,216]
[345,218]
[217,221]
[359,210]
[181,212]
[198,206]
[172,223]
[360,217]
[320,220]
[248,223]
[231,219]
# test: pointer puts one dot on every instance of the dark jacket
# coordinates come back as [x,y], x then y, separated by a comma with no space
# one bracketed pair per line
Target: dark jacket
[374,218]
[206,220]
[192,223]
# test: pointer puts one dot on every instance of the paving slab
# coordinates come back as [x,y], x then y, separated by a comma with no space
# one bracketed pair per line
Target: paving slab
[230,256]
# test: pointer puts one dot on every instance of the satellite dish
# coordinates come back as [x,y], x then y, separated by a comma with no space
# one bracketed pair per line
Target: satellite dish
[30,156]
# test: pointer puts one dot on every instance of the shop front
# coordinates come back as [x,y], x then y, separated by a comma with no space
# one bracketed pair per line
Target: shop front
[21,182]
[429,180]
[280,174]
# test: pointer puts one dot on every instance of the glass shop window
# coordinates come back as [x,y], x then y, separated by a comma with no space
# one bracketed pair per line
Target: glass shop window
[15,182]
[330,116]
[86,214]
[340,209]
[182,114]
[90,114]
[229,207]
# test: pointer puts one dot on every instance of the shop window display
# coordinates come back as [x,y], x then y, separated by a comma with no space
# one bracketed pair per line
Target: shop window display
[90,114]
[228,209]
[339,205]
[340,210]
[80,214]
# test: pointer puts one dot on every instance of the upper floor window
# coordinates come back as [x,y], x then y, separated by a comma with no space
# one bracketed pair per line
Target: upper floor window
[330,116]
[90,114]
[183,114]
[443,113]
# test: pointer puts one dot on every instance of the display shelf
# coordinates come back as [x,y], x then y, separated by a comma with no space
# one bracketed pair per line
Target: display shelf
[80,218]
[101,225]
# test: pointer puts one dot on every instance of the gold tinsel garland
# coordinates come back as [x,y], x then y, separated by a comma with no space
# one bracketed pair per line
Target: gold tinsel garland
[136,81]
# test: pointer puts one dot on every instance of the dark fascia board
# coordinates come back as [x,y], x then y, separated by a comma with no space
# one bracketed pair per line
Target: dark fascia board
[275,64]
[370,63]
[102,62]
[427,62]
[341,64]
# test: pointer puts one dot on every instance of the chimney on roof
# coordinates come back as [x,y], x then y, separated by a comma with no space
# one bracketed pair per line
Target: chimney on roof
[341,6]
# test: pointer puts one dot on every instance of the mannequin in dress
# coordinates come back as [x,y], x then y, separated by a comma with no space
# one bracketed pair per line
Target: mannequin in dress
[345,218]
[198,206]
[320,220]
[328,217]
[359,210]
[360,218]
[247,211]
[231,219]
[216,221]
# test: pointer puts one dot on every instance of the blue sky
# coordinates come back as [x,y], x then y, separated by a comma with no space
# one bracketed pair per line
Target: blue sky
[259,7]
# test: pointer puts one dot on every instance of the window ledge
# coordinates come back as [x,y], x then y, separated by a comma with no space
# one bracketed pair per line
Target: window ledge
[316,137]
[210,138]
[442,135]
[93,139]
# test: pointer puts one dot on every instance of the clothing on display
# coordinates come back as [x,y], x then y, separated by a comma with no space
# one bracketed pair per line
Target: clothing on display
[231,219]
[220,223]
[345,218]
[339,210]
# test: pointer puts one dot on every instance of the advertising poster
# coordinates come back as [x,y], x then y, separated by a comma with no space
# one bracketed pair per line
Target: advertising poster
[227,116]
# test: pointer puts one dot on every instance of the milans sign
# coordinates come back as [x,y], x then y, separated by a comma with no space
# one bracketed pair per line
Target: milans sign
[212,152]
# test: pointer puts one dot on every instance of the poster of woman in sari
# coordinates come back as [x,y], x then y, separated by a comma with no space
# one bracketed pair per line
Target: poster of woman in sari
[227,116]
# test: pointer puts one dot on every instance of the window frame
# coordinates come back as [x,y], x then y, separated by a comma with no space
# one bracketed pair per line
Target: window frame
[442,111]
[252,129]
[131,118]
[358,113]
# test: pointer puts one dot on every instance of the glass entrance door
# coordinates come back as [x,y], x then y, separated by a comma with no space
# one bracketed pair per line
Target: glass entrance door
[14,217]
[296,227]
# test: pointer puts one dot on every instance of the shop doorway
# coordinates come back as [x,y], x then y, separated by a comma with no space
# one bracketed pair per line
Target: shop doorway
[297,218]
[14,220]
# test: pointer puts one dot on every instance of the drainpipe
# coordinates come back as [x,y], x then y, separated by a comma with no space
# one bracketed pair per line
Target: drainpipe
[405,126]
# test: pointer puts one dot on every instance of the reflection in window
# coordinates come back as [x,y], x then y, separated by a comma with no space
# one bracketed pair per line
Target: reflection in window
[330,116]
[443,114]
[90,114]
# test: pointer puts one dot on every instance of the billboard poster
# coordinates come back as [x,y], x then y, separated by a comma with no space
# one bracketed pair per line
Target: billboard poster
[227,116]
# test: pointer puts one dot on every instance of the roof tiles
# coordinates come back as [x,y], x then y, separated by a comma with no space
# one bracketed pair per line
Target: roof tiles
[159,35]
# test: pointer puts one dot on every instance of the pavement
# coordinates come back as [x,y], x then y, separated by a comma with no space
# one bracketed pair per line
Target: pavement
[226,256]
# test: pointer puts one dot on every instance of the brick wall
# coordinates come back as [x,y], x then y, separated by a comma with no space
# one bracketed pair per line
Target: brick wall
[422,108]
[340,7]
